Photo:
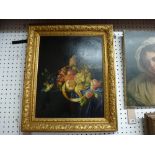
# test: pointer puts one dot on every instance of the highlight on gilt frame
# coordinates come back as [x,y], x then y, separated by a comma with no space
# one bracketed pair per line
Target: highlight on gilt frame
[69,79]
[140,68]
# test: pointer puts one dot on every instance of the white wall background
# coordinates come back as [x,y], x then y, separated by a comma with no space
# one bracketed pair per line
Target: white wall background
[12,62]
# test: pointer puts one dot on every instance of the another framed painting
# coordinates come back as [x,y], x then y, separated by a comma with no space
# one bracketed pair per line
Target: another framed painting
[70,79]
[140,68]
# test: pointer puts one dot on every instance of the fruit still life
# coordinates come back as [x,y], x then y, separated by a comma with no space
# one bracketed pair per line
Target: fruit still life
[76,83]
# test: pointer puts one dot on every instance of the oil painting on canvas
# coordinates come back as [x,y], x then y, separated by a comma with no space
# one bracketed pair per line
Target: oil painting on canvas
[140,68]
[70,81]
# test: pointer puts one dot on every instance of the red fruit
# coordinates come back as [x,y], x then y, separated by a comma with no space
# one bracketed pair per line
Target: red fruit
[89,94]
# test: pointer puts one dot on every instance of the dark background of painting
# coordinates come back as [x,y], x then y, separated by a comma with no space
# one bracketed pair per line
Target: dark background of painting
[132,40]
[54,53]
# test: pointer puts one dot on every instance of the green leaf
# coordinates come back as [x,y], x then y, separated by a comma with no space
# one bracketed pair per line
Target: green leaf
[96,95]
[83,101]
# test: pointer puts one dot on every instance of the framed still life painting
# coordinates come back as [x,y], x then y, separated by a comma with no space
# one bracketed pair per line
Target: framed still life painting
[69,79]
[140,68]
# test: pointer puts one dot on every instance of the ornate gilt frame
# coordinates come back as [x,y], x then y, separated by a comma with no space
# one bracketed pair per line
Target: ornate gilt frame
[29,122]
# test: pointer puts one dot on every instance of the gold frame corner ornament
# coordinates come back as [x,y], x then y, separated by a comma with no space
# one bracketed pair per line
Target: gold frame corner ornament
[32,124]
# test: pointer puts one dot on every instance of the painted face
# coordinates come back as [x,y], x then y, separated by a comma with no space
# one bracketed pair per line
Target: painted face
[150,58]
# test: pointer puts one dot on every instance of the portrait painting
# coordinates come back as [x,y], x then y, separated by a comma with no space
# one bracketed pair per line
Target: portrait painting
[140,68]
[68,74]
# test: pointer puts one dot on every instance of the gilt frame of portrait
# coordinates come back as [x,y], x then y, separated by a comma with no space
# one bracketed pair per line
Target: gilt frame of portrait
[139,62]
[69,82]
